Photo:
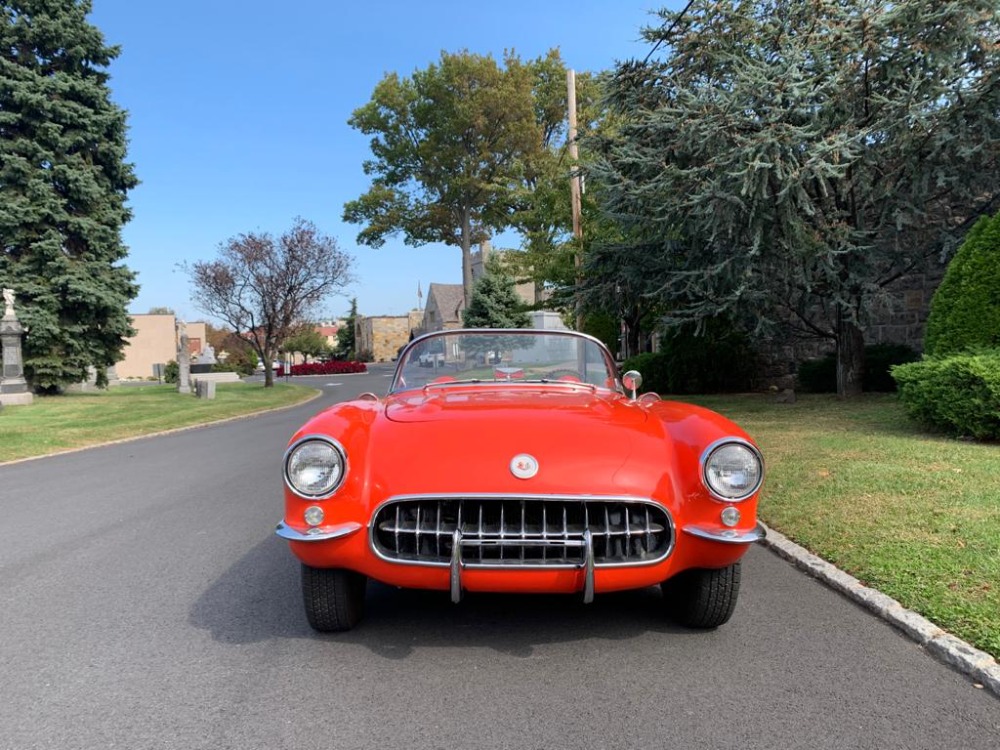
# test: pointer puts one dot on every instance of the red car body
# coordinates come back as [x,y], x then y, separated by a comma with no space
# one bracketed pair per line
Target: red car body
[553,481]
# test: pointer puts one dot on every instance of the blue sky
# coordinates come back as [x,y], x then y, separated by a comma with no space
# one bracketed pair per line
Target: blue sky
[238,117]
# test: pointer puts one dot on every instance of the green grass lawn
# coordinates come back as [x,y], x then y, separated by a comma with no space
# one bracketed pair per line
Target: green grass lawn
[913,515]
[75,420]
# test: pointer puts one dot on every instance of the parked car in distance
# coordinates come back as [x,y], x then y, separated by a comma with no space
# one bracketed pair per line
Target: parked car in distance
[430,359]
[546,473]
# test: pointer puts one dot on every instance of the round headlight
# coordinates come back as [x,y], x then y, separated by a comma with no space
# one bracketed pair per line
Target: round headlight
[732,470]
[314,467]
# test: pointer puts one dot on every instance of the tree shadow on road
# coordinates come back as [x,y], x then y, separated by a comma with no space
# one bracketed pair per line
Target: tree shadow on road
[259,599]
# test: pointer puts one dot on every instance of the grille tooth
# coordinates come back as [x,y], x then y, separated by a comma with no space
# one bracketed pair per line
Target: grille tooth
[522,531]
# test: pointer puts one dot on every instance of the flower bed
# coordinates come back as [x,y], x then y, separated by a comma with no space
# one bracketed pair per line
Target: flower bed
[333,367]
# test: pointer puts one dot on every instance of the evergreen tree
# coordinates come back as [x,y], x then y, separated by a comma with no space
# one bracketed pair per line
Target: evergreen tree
[791,160]
[965,311]
[495,303]
[63,185]
[346,343]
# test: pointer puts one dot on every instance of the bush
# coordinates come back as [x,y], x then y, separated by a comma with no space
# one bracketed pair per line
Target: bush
[720,360]
[959,395]
[965,310]
[171,372]
[820,375]
[332,367]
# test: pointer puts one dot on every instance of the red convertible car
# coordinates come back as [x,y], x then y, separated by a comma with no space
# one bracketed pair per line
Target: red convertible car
[519,462]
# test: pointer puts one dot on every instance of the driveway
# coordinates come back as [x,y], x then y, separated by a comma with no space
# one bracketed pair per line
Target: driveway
[145,603]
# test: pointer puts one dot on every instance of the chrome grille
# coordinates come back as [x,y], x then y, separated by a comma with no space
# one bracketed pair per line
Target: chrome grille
[527,531]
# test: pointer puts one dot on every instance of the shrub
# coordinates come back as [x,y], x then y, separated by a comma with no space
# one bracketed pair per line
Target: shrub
[965,309]
[959,395]
[820,375]
[332,367]
[720,360]
[171,372]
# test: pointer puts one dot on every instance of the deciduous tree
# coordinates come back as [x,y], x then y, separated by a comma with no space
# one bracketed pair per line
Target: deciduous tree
[806,154]
[63,184]
[306,340]
[262,286]
[449,145]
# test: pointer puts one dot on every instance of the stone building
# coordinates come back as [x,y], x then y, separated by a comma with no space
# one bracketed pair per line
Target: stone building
[443,311]
[379,337]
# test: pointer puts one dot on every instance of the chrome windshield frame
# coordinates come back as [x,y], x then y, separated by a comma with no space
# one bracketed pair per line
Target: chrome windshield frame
[404,357]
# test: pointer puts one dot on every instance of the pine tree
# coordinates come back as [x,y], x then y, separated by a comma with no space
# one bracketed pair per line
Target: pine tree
[495,303]
[346,343]
[63,185]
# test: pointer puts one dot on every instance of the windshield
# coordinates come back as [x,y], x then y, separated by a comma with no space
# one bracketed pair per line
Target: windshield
[504,356]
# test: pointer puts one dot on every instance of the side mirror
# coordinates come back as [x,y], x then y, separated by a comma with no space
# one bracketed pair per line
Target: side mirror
[632,380]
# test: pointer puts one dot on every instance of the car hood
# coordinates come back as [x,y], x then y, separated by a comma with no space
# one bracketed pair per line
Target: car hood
[465,440]
[516,403]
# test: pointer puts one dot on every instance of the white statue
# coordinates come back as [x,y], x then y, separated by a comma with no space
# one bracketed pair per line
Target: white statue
[8,298]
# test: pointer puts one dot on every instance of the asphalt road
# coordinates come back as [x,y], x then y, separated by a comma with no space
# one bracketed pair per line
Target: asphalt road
[145,603]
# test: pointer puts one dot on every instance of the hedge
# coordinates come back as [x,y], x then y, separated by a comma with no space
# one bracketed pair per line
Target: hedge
[333,367]
[719,360]
[959,395]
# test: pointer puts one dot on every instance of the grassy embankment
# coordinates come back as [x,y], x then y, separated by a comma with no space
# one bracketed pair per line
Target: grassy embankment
[913,515]
[76,420]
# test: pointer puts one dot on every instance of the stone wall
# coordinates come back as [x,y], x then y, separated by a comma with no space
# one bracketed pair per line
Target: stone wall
[380,336]
[901,319]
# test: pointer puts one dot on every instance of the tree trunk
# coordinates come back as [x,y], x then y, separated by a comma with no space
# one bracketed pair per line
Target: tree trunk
[466,258]
[850,358]
[633,335]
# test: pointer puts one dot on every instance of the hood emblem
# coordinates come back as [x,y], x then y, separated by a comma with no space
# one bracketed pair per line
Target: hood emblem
[524,466]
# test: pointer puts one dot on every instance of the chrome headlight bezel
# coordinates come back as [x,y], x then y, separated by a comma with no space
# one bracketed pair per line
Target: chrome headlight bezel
[338,482]
[707,456]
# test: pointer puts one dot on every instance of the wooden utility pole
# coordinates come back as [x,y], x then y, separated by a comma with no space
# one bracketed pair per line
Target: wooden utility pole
[574,189]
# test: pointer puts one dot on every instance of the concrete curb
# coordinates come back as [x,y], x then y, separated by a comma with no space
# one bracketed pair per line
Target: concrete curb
[185,428]
[978,665]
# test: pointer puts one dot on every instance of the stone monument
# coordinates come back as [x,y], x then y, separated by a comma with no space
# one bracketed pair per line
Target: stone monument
[183,359]
[205,361]
[13,387]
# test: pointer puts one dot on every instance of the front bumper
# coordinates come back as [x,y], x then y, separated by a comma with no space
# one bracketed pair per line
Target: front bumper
[318,534]
[727,536]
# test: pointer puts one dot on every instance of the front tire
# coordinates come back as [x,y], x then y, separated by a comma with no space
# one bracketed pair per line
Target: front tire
[702,598]
[334,598]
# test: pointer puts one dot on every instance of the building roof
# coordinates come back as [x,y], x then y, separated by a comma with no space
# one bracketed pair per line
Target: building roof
[448,299]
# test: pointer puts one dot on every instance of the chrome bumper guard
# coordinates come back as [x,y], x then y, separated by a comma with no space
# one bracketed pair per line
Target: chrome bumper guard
[319,534]
[457,565]
[727,536]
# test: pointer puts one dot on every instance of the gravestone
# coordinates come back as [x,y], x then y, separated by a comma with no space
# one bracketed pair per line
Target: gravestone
[183,359]
[13,386]
[204,388]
